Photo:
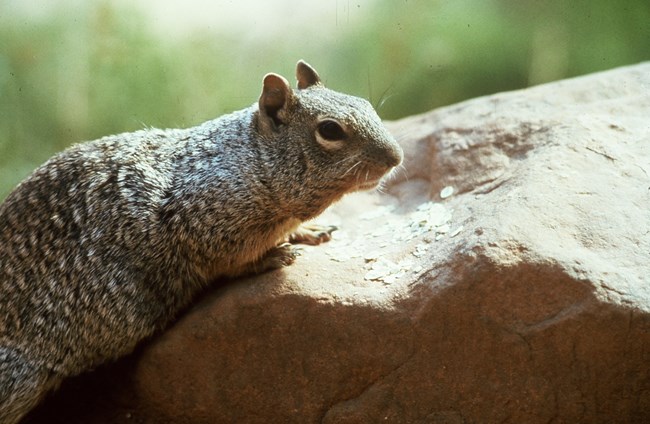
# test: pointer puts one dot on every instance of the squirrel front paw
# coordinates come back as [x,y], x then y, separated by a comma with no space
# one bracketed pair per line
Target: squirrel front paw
[312,234]
[280,256]
[285,253]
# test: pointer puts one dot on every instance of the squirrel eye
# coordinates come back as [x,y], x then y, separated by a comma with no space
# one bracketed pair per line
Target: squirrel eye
[331,130]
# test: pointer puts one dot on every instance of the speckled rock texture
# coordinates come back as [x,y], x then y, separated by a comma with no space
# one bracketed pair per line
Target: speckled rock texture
[502,276]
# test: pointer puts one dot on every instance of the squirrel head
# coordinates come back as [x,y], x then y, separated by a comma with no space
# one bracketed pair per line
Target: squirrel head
[343,143]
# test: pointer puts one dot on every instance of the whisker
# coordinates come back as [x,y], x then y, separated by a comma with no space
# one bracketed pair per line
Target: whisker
[369,85]
[383,97]
[381,103]
[351,168]
[343,160]
[357,174]
[381,187]
[402,169]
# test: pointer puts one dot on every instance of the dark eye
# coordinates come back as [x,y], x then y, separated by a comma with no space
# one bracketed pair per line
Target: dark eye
[330,130]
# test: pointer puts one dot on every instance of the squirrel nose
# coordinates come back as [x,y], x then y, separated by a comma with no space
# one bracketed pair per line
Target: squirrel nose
[396,155]
[393,154]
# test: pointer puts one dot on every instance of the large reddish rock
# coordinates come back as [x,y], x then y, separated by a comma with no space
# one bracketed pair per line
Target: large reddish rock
[502,276]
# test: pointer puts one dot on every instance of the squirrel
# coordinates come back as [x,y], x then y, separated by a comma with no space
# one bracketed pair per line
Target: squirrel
[105,243]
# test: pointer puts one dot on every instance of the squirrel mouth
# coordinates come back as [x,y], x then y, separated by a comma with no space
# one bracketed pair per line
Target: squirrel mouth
[368,185]
[373,179]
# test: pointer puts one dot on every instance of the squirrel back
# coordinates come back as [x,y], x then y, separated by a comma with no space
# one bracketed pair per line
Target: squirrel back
[104,243]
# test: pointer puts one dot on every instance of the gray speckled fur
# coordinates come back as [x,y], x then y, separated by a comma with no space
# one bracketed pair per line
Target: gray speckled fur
[104,243]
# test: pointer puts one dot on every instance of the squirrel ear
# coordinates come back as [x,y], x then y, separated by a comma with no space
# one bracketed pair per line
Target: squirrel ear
[306,75]
[275,99]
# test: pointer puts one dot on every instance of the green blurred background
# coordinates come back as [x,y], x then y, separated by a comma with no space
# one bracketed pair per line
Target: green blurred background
[74,70]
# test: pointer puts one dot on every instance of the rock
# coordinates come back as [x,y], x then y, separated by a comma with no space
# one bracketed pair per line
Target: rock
[504,276]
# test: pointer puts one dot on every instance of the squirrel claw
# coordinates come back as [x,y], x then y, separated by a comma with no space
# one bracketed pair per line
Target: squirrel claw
[280,256]
[312,234]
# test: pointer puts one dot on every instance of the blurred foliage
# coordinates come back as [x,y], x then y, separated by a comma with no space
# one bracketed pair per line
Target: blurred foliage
[100,69]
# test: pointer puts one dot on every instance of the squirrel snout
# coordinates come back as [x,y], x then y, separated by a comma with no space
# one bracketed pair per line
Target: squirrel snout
[392,154]
[386,155]
[396,155]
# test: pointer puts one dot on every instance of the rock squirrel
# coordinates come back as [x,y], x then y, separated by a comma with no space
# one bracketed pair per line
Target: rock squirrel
[104,243]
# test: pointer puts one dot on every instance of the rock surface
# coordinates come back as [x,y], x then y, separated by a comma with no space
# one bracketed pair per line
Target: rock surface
[504,276]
